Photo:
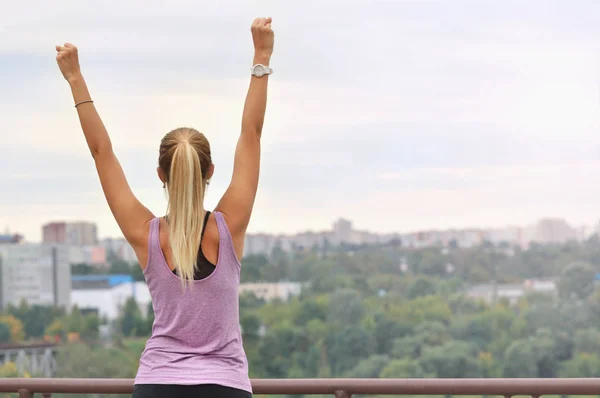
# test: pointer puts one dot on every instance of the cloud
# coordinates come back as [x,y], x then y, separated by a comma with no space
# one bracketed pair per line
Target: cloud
[395,114]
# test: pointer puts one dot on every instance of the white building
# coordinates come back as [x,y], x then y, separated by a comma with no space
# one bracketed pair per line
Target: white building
[511,292]
[36,273]
[107,294]
[271,291]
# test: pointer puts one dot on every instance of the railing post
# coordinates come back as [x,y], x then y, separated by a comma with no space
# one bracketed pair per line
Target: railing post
[342,394]
[25,393]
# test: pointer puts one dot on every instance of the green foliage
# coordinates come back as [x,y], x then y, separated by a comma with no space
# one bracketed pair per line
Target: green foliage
[360,315]
[35,318]
[577,281]
[583,365]
[369,368]
[131,322]
[85,361]
[4,333]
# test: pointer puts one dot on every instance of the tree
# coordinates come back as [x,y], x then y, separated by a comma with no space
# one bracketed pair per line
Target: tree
[252,266]
[278,345]
[131,322]
[74,321]
[430,308]
[250,325]
[347,347]
[453,359]
[461,304]
[118,266]
[82,361]
[577,281]
[90,329]
[432,262]
[309,309]
[433,333]
[137,273]
[386,331]
[587,341]
[57,329]
[545,350]
[403,368]
[345,307]
[38,318]
[520,360]
[82,269]
[9,369]
[4,333]
[249,301]
[408,347]
[582,366]
[422,286]
[17,333]
[369,368]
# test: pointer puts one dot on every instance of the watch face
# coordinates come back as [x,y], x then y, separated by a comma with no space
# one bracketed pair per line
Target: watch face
[259,70]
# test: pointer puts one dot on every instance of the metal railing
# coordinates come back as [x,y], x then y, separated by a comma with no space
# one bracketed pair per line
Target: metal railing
[340,388]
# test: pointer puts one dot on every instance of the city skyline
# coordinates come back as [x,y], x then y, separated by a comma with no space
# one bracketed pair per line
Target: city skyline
[430,119]
[592,225]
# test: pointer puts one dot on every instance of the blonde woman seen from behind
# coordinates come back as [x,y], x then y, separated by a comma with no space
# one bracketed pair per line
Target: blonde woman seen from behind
[190,257]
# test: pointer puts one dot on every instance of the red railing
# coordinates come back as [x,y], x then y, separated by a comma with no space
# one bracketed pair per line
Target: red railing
[340,388]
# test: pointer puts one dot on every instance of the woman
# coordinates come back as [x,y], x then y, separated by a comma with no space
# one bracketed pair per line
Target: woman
[190,258]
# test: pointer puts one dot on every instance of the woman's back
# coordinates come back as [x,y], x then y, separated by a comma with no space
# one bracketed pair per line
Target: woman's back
[196,337]
[196,344]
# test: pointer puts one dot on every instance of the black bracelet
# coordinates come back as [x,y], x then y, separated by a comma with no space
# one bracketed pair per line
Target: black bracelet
[82,102]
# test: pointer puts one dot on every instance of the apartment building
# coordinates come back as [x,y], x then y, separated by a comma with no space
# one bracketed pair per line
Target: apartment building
[34,272]
[78,233]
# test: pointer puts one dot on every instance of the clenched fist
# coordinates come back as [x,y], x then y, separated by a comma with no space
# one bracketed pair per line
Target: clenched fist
[263,36]
[68,61]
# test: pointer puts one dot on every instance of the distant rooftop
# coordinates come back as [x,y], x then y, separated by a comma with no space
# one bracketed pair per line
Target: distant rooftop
[10,238]
[99,281]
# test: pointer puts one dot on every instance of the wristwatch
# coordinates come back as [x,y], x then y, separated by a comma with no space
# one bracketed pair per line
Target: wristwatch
[259,70]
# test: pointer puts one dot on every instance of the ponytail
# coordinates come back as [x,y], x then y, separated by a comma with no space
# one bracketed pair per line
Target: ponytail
[186,209]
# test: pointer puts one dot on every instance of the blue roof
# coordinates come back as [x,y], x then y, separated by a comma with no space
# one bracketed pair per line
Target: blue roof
[113,280]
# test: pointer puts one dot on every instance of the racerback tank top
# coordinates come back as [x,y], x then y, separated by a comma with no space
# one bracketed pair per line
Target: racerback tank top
[196,336]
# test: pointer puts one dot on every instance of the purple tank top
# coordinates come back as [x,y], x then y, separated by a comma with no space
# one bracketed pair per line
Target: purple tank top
[196,336]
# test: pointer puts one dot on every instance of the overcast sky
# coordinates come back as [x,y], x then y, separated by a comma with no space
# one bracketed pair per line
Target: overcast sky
[398,115]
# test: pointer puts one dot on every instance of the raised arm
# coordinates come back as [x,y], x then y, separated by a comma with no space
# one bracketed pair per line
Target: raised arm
[129,213]
[238,200]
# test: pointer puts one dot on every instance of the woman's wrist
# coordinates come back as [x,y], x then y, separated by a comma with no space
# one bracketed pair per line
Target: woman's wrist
[262,58]
[75,78]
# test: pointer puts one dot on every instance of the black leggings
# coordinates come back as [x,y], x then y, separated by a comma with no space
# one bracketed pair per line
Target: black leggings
[178,391]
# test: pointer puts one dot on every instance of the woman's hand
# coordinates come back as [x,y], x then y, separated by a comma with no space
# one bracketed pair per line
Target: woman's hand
[263,37]
[68,61]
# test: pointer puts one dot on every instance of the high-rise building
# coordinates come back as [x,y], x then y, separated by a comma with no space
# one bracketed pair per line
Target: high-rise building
[342,231]
[37,273]
[71,233]
[551,230]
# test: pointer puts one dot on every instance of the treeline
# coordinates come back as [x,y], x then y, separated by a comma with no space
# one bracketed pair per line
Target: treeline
[25,323]
[503,263]
[388,311]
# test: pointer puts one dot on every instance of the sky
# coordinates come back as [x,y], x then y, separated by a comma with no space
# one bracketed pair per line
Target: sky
[397,115]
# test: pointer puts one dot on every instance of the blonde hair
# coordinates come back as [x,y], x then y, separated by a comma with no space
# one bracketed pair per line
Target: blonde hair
[184,158]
